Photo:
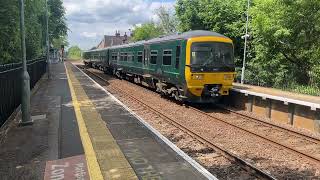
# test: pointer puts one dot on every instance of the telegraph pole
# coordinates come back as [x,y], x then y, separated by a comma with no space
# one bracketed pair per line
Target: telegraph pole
[246,36]
[47,39]
[25,101]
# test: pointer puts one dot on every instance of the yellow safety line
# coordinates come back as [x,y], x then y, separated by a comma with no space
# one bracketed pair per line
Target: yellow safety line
[92,162]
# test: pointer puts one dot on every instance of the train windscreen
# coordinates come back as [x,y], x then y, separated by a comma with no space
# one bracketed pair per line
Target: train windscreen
[212,56]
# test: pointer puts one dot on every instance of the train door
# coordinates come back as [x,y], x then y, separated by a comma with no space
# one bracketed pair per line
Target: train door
[146,57]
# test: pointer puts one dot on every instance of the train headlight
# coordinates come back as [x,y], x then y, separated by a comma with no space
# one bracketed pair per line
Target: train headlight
[197,76]
[228,77]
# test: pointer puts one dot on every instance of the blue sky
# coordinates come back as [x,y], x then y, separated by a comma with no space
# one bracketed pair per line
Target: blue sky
[89,20]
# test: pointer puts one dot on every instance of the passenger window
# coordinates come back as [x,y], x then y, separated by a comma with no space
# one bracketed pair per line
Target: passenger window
[178,51]
[166,58]
[139,56]
[121,56]
[125,56]
[154,56]
[130,56]
[114,56]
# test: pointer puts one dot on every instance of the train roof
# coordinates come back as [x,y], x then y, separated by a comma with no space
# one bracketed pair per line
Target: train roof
[178,36]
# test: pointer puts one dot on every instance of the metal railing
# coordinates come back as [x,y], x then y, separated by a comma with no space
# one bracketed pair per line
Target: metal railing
[10,84]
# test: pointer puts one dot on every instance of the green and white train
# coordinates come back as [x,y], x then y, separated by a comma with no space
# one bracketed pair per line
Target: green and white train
[196,66]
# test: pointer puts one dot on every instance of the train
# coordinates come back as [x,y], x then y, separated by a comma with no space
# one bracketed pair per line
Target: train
[195,66]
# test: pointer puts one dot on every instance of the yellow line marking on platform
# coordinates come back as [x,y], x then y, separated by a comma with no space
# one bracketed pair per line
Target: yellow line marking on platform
[92,162]
[104,157]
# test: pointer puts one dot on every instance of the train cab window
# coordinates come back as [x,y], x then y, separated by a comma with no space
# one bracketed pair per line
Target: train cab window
[139,56]
[153,57]
[178,52]
[166,58]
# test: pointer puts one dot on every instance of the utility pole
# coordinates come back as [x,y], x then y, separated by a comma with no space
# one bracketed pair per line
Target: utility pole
[246,36]
[25,101]
[47,39]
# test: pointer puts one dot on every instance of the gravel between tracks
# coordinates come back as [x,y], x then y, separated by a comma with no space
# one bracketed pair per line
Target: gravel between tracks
[279,162]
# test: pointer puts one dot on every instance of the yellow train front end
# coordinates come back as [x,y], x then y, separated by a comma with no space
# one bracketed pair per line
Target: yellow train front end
[210,69]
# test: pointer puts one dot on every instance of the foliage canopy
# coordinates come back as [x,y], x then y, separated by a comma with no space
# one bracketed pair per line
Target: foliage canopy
[284,49]
[74,52]
[35,24]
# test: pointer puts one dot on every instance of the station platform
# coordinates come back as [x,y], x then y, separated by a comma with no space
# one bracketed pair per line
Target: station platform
[285,95]
[81,131]
[296,110]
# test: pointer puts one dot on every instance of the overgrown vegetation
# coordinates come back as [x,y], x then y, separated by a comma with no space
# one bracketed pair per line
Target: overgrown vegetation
[35,14]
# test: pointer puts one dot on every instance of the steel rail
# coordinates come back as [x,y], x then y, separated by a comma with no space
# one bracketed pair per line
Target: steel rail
[311,157]
[229,155]
[314,139]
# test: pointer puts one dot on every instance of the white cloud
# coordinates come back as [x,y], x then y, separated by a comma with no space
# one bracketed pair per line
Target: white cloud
[89,20]
[88,34]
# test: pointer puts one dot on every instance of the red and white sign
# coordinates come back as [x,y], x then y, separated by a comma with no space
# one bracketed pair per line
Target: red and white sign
[72,168]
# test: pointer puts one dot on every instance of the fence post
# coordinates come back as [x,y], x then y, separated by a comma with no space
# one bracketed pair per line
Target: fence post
[25,101]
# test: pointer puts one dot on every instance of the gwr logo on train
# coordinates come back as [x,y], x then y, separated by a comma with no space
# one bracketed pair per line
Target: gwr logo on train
[196,66]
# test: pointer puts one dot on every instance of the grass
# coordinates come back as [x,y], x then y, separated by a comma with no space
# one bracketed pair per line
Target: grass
[302,89]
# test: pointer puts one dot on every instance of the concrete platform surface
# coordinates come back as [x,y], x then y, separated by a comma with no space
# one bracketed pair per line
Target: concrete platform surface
[125,147]
[81,131]
[54,134]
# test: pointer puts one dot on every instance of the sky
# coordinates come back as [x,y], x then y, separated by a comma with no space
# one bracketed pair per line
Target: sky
[89,20]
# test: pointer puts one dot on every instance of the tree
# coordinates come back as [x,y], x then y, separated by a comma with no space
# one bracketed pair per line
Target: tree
[74,52]
[224,17]
[35,24]
[146,31]
[187,12]
[56,43]
[168,22]
[57,21]
[9,31]
[286,42]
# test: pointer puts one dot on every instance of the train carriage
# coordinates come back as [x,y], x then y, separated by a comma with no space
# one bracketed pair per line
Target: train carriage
[196,66]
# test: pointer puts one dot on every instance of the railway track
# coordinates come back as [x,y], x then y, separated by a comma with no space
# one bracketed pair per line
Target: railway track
[317,140]
[247,166]
[296,142]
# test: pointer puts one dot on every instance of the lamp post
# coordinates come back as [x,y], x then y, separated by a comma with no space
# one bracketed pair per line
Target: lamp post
[25,100]
[47,39]
[246,36]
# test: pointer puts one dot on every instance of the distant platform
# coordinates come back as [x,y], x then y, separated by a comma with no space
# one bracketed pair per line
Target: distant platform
[289,97]
[297,110]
